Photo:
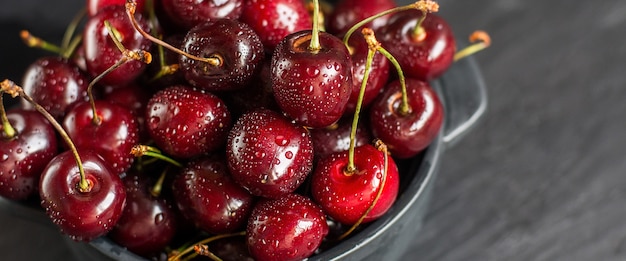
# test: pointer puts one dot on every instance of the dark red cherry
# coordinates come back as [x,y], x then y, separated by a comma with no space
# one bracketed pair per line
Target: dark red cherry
[258,94]
[135,98]
[336,138]
[113,137]
[94,6]
[347,13]
[273,20]
[148,223]
[234,46]
[268,154]
[83,216]
[288,228]
[55,84]
[233,248]
[24,156]
[312,87]
[346,197]
[407,134]
[189,13]
[101,52]
[185,122]
[426,56]
[207,195]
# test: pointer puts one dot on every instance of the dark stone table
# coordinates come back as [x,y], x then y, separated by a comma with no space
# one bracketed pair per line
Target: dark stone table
[541,177]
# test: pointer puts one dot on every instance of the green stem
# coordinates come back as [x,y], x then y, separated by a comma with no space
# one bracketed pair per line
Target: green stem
[371,18]
[9,131]
[404,107]
[204,242]
[69,33]
[144,150]
[314,45]
[36,42]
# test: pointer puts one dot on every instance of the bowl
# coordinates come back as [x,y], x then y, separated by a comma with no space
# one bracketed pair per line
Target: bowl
[463,94]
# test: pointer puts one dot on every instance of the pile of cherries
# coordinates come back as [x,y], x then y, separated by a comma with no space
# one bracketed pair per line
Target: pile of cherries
[232,129]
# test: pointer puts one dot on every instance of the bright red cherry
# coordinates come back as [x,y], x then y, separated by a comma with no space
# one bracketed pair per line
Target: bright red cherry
[189,13]
[407,134]
[83,216]
[347,13]
[268,154]
[24,156]
[288,228]
[425,55]
[185,122]
[347,196]
[312,86]
[273,20]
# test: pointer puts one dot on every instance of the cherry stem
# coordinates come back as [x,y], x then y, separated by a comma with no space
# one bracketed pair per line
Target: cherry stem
[426,6]
[131,6]
[145,150]
[15,90]
[155,191]
[404,106]
[479,39]
[417,5]
[68,37]
[9,131]
[33,41]
[382,148]
[373,45]
[314,45]
[204,242]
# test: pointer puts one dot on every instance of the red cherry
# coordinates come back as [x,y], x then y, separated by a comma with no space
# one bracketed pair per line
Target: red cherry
[207,195]
[83,216]
[288,228]
[426,56]
[189,13]
[94,6]
[312,87]
[268,154]
[345,197]
[347,13]
[101,53]
[327,141]
[54,83]
[407,135]
[273,20]
[185,122]
[148,223]
[113,137]
[24,156]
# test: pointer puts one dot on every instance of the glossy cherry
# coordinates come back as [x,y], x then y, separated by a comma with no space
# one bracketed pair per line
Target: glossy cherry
[312,86]
[189,13]
[336,138]
[233,46]
[407,134]
[347,196]
[288,228]
[101,53]
[347,13]
[54,83]
[24,155]
[86,215]
[148,223]
[112,137]
[268,154]
[185,122]
[273,20]
[422,56]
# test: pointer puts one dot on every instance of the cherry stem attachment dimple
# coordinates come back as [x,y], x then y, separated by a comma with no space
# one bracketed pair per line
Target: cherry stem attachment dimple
[15,90]
[9,131]
[145,150]
[426,6]
[203,242]
[380,146]
[131,7]
[479,39]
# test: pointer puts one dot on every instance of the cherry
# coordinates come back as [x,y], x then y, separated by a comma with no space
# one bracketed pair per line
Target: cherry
[185,122]
[148,223]
[424,53]
[55,83]
[258,94]
[82,214]
[407,133]
[94,6]
[189,13]
[27,143]
[347,13]
[101,53]
[288,228]
[273,20]
[112,134]
[233,248]
[336,138]
[312,86]
[346,196]
[207,195]
[268,154]
[135,98]
[234,49]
